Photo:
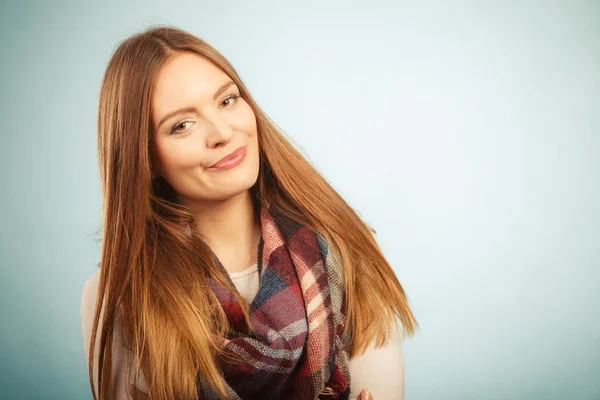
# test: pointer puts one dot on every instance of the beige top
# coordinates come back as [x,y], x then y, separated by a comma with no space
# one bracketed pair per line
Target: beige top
[381,371]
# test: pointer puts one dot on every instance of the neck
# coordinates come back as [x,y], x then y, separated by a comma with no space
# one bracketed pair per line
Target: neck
[230,226]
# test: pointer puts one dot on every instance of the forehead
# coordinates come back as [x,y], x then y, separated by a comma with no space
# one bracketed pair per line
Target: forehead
[185,79]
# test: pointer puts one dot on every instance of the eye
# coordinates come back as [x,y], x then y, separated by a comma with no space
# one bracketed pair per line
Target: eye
[232,97]
[176,131]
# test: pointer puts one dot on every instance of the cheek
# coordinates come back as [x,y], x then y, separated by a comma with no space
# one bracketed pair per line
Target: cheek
[248,120]
[178,155]
[251,130]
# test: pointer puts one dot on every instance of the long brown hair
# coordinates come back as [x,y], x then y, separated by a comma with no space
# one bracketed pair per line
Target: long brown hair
[153,274]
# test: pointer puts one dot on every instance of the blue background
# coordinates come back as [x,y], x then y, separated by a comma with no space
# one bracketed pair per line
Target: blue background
[467,133]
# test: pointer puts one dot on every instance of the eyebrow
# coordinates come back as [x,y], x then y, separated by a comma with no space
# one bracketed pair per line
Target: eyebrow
[194,109]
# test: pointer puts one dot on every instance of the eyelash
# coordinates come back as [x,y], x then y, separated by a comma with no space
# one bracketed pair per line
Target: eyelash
[175,132]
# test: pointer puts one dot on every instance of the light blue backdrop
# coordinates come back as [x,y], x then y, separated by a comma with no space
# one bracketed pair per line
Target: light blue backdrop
[465,132]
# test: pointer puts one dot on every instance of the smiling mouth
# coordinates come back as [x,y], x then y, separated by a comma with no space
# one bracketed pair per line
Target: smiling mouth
[231,160]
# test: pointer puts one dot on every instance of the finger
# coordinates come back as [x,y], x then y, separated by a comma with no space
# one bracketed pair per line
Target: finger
[365,395]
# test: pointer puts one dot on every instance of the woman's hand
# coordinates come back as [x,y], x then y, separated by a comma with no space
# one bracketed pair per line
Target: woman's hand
[365,395]
[136,393]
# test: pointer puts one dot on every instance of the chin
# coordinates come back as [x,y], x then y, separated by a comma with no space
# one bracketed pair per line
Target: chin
[235,182]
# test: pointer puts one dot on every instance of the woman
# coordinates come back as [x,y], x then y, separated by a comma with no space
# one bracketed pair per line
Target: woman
[230,268]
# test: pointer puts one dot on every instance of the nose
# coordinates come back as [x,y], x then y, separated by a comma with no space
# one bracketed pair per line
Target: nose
[220,132]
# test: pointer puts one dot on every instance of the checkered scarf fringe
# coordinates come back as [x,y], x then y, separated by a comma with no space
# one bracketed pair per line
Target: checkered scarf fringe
[298,316]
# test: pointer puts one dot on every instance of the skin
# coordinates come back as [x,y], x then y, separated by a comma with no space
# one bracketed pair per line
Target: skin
[219,200]
[185,145]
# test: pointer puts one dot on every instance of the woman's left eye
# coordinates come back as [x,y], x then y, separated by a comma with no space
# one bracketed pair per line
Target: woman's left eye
[232,97]
[176,131]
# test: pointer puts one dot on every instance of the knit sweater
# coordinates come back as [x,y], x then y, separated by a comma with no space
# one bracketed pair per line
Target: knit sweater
[379,370]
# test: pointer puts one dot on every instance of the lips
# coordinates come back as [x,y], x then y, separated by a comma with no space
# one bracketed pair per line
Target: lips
[229,157]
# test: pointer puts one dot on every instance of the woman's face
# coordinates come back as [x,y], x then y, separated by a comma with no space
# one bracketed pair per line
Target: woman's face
[197,121]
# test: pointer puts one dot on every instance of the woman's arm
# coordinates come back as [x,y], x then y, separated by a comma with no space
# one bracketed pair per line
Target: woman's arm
[120,370]
[380,370]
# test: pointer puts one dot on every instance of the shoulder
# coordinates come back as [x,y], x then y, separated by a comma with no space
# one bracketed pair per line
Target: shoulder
[88,296]
[121,370]
[90,287]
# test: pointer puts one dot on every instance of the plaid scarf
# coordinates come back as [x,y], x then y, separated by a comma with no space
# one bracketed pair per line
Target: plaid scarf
[298,316]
